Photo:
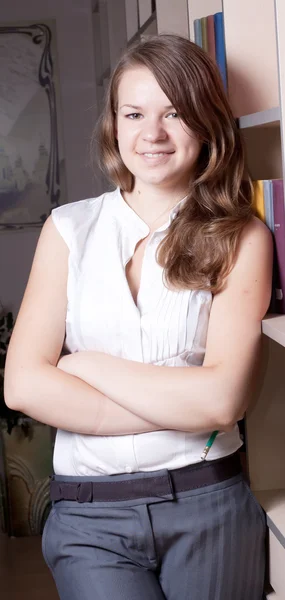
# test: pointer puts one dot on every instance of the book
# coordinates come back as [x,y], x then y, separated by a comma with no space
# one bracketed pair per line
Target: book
[268,203]
[198,32]
[211,36]
[204,33]
[279,236]
[220,46]
[258,199]
[269,220]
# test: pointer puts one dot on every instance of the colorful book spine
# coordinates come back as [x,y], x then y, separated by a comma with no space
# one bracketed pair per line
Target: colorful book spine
[263,206]
[268,203]
[279,235]
[204,34]
[220,46]
[198,32]
[269,220]
[258,199]
[211,36]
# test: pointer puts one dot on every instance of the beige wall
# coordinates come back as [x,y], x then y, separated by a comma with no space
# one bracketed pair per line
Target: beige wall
[172,17]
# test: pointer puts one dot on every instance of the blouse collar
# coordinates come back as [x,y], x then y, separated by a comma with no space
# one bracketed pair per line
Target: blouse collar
[135,218]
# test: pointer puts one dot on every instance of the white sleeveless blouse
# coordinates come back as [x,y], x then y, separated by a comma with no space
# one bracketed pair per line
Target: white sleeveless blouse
[165,328]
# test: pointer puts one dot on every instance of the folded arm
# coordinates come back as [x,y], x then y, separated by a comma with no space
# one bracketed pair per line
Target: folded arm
[33,384]
[217,394]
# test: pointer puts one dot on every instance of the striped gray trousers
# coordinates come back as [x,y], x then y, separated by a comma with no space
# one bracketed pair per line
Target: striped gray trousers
[203,544]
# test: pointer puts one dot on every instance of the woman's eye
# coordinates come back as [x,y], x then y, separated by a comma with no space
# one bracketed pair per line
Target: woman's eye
[173,115]
[134,116]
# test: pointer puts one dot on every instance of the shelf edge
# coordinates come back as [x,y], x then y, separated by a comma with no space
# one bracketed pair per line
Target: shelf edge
[264,117]
[271,326]
[279,536]
[268,503]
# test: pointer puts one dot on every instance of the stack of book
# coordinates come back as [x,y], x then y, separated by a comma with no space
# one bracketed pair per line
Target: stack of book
[209,35]
[268,205]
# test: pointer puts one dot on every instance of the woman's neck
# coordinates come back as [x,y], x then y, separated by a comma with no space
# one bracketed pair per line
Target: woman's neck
[151,203]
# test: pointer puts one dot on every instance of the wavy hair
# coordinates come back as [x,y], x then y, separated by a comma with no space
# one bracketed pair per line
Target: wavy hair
[200,247]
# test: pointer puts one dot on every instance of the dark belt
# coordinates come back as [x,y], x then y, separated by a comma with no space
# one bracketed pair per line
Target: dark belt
[177,480]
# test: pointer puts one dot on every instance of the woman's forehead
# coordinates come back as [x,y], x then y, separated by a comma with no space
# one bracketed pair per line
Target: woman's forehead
[137,86]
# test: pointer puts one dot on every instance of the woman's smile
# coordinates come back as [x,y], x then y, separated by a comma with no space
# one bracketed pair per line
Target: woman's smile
[155,158]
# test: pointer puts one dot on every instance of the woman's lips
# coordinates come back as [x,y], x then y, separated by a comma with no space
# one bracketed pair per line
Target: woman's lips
[154,158]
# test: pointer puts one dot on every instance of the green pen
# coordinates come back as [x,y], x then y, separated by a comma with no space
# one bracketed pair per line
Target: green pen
[209,444]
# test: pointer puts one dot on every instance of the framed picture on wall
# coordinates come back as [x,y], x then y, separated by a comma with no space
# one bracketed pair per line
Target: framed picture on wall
[32,178]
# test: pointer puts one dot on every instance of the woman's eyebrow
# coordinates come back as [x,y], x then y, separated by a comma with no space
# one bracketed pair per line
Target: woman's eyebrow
[140,108]
[131,106]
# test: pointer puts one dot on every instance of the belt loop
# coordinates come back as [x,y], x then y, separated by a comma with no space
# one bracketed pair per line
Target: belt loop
[171,484]
[85,491]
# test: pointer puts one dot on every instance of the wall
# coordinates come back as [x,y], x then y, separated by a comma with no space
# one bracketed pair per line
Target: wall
[77,80]
[172,17]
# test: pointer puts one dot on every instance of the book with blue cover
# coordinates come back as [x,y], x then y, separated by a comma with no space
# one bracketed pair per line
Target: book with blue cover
[198,32]
[220,46]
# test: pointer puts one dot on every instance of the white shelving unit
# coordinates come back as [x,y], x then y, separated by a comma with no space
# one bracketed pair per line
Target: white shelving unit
[255,49]
[256,77]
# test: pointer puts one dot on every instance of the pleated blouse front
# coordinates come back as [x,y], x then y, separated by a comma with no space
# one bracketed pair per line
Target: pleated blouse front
[165,327]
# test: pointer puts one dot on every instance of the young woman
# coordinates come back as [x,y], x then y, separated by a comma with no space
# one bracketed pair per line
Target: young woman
[169,270]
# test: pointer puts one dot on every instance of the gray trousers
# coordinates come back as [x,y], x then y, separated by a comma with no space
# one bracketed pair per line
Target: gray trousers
[204,544]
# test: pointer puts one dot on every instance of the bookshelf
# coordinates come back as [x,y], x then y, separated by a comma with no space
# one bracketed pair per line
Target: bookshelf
[255,49]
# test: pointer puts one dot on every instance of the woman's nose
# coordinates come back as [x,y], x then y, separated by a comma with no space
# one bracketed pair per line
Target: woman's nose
[154,131]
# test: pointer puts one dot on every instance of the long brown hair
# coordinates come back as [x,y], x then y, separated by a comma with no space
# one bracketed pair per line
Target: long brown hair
[200,246]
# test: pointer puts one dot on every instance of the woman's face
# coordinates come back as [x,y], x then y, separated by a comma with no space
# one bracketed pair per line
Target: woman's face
[155,145]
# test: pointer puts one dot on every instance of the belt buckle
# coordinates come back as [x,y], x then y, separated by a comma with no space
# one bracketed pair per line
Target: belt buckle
[85,491]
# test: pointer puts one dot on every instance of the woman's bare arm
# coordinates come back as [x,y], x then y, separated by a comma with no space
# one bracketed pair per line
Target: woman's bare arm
[33,384]
[217,394]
